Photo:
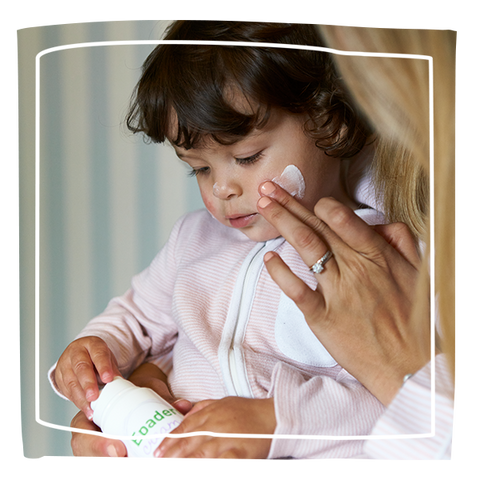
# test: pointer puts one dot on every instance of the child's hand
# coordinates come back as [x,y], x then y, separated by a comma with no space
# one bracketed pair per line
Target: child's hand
[228,415]
[146,375]
[77,368]
[150,376]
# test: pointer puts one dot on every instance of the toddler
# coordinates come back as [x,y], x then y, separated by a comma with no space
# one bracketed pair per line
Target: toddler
[206,313]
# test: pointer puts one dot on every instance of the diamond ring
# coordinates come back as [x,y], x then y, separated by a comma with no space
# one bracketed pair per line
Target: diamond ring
[319,266]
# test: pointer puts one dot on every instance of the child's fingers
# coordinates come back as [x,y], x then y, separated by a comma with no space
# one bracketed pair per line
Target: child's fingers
[66,377]
[83,368]
[83,381]
[307,300]
[199,406]
[182,405]
[104,361]
[76,375]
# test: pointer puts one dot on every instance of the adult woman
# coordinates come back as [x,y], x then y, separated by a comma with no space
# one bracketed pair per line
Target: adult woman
[379,343]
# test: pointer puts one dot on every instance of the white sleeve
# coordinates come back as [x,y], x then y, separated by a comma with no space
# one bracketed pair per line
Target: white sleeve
[411,414]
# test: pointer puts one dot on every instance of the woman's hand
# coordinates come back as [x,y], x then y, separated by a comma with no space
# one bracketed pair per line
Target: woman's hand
[84,444]
[228,415]
[361,309]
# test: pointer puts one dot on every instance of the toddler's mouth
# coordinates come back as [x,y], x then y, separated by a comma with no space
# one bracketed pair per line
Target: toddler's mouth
[240,221]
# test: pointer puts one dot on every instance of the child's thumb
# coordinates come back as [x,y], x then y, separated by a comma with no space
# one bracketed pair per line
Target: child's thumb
[182,405]
[116,450]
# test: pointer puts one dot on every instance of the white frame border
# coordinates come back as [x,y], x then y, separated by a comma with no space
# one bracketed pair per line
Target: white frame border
[239,44]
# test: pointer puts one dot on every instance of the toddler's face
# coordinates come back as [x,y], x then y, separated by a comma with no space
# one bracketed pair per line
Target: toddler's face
[229,175]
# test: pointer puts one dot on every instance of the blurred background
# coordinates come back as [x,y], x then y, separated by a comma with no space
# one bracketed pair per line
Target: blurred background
[108,200]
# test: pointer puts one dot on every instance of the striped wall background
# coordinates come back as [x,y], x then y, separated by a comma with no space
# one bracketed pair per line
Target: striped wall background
[107,199]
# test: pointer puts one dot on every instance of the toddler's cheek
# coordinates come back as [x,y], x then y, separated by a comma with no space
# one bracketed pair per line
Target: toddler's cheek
[292,181]
[210,206]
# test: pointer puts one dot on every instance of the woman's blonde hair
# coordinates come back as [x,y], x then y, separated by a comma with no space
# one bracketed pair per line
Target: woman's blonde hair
[394,94]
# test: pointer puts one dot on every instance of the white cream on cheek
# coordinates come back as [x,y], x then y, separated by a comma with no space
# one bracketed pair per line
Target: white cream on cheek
[292,181]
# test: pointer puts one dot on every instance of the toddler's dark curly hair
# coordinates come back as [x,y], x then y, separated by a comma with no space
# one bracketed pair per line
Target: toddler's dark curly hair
[189,89]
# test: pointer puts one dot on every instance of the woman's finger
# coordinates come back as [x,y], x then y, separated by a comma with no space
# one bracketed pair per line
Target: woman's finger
[399,237]
[272,190]
[350,228]
[307,300]
[300,228]
[376,243]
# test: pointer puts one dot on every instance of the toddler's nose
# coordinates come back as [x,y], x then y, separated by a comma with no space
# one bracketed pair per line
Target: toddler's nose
[226,189]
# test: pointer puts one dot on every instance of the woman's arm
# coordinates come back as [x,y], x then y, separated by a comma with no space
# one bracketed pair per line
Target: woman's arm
[410,417]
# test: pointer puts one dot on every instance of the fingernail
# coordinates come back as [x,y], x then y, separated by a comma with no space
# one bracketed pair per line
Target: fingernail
[89,414]
[107,377]
[264,202]
[268,188]
[90,395]
[180,402]
[268,256]
[158,453]
[112,451]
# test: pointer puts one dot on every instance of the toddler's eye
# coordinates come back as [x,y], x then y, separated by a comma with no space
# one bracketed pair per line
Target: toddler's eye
[198,171]
[249,160]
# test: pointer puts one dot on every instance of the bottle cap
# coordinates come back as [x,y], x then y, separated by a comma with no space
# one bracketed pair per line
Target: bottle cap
[110,392]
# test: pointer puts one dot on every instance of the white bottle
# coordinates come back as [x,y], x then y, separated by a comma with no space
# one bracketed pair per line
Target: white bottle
[127,410]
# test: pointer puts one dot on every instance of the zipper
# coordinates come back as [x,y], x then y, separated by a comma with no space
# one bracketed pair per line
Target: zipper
[232,361]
